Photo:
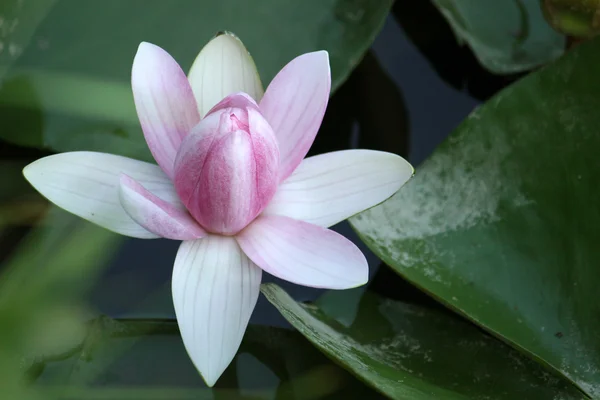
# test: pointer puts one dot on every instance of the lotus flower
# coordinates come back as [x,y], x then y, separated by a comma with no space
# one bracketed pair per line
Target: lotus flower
[232,183]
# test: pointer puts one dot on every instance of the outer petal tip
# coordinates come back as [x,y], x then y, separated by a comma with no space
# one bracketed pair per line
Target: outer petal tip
[365,278]
[231,37]
[86,184]
[33,173]
[215,288]
[145,45]
[405,169]
[304,253]
[164,102]
[392,164]
[147,51]
[210,379]
[223,67]
[332,187]
[321,55]
[294,105]
[319,60]
[27,172]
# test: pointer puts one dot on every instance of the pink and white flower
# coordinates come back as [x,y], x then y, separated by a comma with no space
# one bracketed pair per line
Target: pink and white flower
[232,183]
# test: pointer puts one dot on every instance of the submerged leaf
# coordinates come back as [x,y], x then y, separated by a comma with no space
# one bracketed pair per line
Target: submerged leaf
[506,36]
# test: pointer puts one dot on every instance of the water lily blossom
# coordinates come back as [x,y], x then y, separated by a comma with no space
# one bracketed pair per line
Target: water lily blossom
[232,182]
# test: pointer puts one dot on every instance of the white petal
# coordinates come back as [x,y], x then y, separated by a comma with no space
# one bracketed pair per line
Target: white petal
[332,187]
[223,67]
[87,184]
[215,288]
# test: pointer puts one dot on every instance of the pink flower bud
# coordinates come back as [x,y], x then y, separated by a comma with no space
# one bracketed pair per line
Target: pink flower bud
[226,170]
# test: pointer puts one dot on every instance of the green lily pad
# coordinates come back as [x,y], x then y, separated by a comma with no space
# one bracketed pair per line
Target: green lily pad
[501,222]
[506,36]
[69,89]
[411,352]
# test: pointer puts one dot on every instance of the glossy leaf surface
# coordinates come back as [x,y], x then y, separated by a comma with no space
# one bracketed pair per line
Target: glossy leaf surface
[411,352]
[501,222]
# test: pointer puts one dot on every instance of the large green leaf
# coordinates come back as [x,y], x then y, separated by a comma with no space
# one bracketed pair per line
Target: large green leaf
[70,87]
[411,352]
[506,36]
[501,222]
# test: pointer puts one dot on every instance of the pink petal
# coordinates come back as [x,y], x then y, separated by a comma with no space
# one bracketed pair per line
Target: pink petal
[226,171]
[164,102]
[225,196]
[238,100]
[215,288]
[156,215]
[294,105]
[266,157]
[331,187]
[304,253]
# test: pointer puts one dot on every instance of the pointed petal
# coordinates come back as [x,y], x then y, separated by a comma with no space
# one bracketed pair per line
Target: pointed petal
[156,215]
[223,67]
[87,184]
[295,103]
[304,253]
[164,102]
[215,288]
[332,187]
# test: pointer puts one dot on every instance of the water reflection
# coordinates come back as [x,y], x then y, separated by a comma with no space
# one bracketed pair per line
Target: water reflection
[119,358]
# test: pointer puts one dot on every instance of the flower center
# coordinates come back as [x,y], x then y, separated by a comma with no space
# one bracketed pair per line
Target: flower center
[226,171]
